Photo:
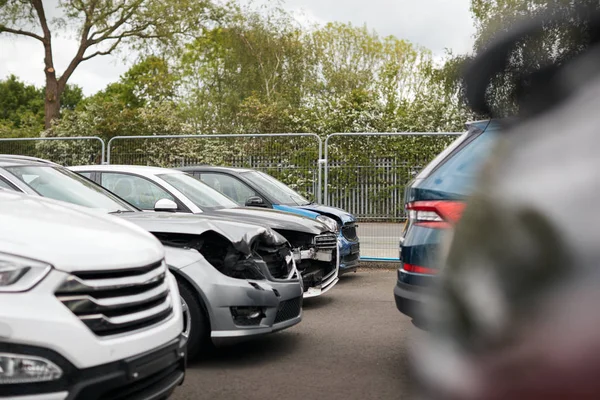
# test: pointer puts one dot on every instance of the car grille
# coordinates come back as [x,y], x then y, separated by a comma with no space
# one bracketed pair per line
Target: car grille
[326,241]
[118,301]
[288,309]
[349,231]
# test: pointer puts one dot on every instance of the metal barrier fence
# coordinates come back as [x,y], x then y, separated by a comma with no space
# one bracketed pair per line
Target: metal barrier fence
[292,158]
[62,150]
[362,173]
[366,174]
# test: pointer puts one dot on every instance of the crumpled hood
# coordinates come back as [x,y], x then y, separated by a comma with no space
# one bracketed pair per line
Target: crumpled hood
[333,212]
[273,219]
[241,235]
[72,238]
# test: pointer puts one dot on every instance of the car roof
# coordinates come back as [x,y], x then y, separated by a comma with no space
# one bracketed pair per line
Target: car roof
[214,168]
[10,160]
[135,169]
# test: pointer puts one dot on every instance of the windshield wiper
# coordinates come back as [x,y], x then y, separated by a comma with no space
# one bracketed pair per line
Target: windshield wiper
[120,212]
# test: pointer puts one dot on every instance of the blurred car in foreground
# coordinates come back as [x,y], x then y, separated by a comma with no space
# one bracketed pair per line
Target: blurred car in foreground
[88,308]
[315,245]
[236,280]
[435,201]
[256,189]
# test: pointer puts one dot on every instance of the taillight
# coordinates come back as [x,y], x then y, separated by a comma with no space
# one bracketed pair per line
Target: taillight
[415,269]
[440,214]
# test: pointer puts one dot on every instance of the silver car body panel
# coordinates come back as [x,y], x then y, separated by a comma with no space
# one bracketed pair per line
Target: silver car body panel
[219,293]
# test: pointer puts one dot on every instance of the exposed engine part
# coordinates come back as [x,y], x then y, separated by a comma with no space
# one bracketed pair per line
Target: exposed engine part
[315,256]
[265,257]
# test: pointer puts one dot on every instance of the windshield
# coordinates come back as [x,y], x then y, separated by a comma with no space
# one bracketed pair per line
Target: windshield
[64,185]
[197,192]
[276,190]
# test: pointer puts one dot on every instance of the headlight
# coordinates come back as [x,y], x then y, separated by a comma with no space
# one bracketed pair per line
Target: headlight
[22,368]
[329,222]
[19,274]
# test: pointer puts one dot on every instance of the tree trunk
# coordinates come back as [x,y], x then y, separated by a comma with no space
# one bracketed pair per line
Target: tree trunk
[52,100]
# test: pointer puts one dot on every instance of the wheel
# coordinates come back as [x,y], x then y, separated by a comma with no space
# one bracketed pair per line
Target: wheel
[196,326]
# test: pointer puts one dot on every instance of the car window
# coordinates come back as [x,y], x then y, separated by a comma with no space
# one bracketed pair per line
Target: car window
[231,187]
[86,174]
[275,189]
[61,184]
[457,174]
[137,190]
[197,192]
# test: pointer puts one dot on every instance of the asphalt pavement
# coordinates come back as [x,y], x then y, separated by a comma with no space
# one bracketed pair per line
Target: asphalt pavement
[351,344]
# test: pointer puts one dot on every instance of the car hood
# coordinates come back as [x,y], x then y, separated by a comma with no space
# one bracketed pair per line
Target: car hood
[332,212]
[273,219]
[72,238]
[241,235]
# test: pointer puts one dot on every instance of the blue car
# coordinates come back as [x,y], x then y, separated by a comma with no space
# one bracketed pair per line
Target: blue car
[435,201]
[252,188]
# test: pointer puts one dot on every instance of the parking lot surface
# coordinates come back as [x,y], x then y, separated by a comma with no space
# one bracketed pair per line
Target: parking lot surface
[351,344]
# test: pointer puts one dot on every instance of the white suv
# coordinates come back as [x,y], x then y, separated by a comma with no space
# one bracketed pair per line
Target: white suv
[88,309]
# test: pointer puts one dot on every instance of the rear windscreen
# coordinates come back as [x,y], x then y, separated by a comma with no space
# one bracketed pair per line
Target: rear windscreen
[457,173]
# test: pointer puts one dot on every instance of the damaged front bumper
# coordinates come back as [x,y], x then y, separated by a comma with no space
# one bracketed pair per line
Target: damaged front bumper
[239,309]
[319,269]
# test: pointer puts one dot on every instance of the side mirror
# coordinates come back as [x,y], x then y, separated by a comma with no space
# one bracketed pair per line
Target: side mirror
[166,205]
[255,201]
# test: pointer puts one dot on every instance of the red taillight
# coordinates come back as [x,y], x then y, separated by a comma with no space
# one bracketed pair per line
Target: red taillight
[415,269]
[435,214]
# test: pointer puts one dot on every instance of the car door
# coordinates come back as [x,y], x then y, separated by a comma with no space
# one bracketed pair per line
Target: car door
[137,190]
[230,186]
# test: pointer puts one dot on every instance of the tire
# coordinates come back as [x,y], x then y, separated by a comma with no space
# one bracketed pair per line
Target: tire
[196,323]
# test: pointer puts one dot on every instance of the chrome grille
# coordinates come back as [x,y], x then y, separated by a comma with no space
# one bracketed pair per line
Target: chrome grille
[326,241]
[118,301]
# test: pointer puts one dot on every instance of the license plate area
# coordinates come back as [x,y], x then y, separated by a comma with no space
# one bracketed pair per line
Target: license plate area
[146,365]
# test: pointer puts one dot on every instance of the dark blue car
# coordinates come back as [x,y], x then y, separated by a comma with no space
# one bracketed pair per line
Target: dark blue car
[435,201]
[256,189]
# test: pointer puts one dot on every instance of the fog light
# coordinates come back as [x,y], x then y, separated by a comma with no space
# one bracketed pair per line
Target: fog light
[247,315]
[22,368]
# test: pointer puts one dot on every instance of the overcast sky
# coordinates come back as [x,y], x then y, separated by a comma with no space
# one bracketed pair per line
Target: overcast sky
[435,24]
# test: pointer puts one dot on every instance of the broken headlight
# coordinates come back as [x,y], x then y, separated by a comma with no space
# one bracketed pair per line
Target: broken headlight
[330,223]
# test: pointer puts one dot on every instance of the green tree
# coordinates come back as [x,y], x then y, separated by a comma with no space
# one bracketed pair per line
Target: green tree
[102,27]
[22,107]
[256,61]
[150,81]
[19,102]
